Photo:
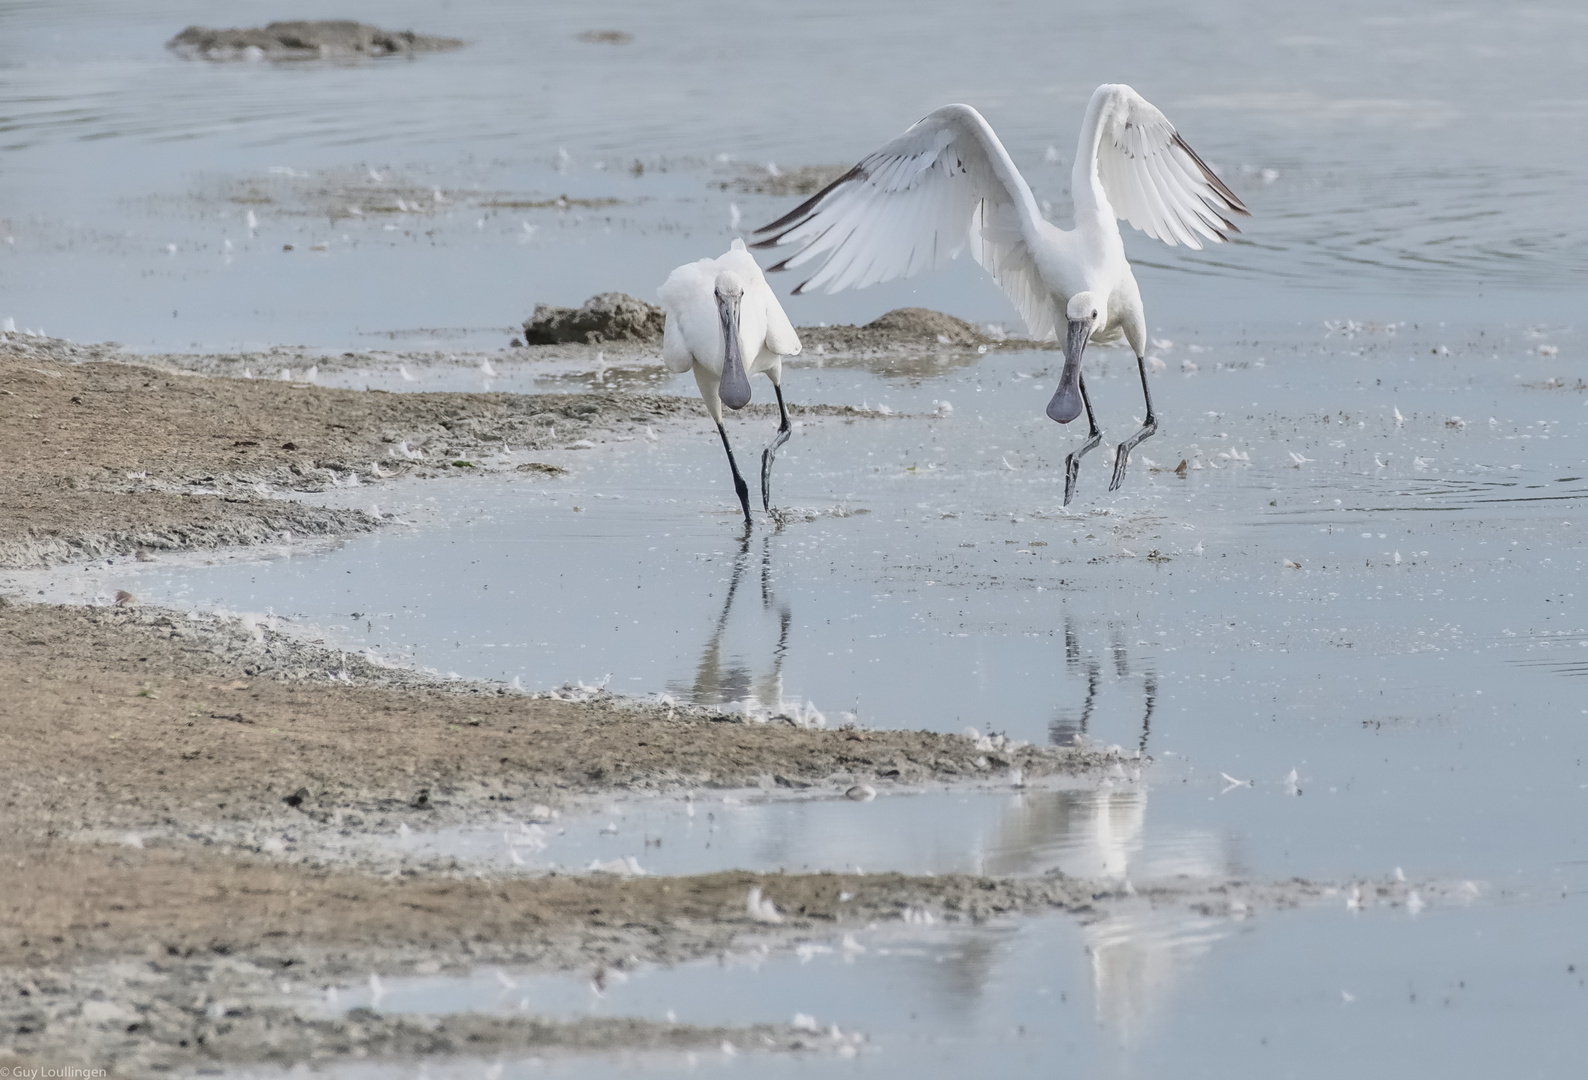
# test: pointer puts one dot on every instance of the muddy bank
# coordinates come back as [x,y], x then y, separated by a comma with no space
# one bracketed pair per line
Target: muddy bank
[108,964]
[199,751]
[135,719]
[107,458]
[141,1018]
[389,194]
[909,328]
[607,317]
[305,40]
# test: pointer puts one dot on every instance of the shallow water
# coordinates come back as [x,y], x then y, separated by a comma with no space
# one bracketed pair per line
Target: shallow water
[1142,992]
[1096,832]
[1396,165]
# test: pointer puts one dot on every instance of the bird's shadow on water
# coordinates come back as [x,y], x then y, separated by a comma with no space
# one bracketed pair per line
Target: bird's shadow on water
[1072,725]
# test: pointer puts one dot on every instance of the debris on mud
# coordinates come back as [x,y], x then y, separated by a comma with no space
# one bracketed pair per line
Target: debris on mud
[305,39]
[770,180]
[606,317]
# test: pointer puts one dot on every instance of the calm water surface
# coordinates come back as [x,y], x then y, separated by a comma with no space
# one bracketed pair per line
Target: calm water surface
[1403,160]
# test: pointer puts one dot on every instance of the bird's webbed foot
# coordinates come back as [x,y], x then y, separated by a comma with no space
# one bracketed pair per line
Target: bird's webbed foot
[767,457]
[1122,455]
[1072,464]
[784,430]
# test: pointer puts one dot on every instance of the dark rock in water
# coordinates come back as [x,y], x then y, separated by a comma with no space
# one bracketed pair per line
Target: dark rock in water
[305,39]
[929,325]
[607,317]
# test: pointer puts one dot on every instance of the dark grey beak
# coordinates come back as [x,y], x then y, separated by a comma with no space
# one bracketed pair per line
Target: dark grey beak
[735,386]
[1066,403]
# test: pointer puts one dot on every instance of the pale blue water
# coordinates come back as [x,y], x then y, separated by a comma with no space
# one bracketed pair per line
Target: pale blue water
[1418,162]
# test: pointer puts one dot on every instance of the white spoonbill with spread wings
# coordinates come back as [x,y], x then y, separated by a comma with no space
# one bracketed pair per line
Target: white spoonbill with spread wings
[948,183]
[725,324]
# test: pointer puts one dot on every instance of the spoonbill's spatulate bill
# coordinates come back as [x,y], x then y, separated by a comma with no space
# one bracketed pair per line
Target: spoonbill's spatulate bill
[724,323]
[948,183]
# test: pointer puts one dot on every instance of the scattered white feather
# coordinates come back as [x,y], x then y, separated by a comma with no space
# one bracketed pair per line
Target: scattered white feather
[761,908]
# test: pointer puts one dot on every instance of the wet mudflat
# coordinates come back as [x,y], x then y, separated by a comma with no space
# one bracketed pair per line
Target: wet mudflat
[1138,991]
[1390,617]
[1352,665]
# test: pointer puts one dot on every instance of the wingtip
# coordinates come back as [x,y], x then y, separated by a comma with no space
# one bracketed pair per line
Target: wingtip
[1212,178]
[804,208]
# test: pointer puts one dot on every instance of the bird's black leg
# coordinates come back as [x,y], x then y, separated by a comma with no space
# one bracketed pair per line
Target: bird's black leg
[1072,464]
[739,485]
[771,451]
[1122,457]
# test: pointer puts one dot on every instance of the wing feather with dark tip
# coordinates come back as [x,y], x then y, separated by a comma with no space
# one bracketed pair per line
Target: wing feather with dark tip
[945,185]
[1151,175]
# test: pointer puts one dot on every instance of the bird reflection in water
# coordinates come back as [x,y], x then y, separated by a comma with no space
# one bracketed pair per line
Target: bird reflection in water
[1136,953]
[723,676]
[1072,727]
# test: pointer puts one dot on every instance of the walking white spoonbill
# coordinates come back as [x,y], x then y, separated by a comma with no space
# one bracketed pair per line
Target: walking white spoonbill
[725,324]
[947,182]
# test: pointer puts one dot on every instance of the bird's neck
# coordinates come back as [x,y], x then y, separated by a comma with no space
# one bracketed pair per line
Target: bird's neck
[1086,186]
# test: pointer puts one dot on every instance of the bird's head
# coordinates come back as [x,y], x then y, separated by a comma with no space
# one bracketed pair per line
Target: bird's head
[1084,307]
[1084,313]
[729,288]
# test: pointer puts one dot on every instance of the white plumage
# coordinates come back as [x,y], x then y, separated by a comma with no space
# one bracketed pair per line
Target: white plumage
[948,184]
[725,324]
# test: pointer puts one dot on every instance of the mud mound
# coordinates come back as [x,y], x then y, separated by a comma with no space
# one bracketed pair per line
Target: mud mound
[608,317]
[305,39]
[927,325]
[902,328]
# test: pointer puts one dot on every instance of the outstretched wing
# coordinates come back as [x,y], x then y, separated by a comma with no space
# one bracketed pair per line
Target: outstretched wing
[913,205]
[1153,179]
